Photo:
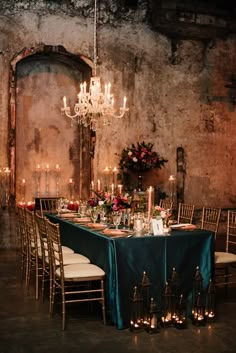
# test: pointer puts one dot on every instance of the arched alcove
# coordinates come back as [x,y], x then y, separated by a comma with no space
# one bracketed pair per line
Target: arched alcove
[38,133]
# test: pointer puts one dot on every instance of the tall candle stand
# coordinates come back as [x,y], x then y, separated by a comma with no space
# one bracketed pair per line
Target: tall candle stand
[172,188]
[6,183]
[57,176]
[37,179]
[47,174]
[22,191]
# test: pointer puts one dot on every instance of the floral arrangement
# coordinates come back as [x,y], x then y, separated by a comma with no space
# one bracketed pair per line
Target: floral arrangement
[140,157]
[110,202]
[161,212]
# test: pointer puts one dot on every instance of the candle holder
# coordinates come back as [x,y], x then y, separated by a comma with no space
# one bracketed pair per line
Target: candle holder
[172,188]
[5,183]
[57,172]
[136,318]
[145,293]
[210,302]
[198,310]
[37,176]
[153,326]
[197,282]
[175,289]
[198,316]
[23,190]
[167,310]
[47,175]
[181,316]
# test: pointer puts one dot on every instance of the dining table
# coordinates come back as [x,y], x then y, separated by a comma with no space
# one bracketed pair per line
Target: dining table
[125,258]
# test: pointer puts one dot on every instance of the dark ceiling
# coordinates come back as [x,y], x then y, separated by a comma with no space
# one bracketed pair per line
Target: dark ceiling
[193,18]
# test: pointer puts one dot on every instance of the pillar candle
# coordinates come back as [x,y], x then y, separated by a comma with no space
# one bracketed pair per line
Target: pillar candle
[150,201]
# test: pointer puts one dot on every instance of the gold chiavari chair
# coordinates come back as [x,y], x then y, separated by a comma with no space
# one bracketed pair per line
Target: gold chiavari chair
[185,213]
[226,261]
[73,281]
[48,205]
[34,262]
[210,219]
[166,204]
[22,236]
[69,256]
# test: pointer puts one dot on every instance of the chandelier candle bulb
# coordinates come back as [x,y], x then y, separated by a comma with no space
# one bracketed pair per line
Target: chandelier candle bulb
[64,102]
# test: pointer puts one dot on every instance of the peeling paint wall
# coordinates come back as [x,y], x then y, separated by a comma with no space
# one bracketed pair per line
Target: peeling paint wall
[173,89]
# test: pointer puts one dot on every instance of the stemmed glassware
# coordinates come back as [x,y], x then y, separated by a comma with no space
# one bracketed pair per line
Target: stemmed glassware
[116,218]
[94,214]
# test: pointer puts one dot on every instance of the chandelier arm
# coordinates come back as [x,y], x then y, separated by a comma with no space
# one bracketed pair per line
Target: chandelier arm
[95,38]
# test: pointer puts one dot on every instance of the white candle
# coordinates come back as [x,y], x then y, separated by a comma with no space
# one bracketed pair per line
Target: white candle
[150,201]
[38,167]
[57,167]
[112,188]
[70,181]
[124,104]
[99,185]
[120,188]
[64,102]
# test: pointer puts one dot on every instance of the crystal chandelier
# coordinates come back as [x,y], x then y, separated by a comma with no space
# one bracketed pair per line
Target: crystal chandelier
[94,107]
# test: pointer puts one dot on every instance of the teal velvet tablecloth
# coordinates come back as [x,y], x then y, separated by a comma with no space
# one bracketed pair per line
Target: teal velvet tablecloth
[125,259]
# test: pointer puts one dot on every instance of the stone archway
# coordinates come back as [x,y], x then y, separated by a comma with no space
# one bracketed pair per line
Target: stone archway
[79,150]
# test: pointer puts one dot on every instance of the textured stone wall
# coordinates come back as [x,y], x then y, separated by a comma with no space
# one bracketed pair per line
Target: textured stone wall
[175,88]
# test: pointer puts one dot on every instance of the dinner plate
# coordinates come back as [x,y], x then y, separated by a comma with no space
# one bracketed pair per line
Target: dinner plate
[115,232]
[68,215]
[97,226]
[183,226]
[81,220]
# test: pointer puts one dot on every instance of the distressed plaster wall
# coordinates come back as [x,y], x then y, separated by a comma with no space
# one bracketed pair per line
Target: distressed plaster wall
[167,82]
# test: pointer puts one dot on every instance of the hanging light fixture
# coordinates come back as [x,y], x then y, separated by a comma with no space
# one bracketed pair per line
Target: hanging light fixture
[94,107]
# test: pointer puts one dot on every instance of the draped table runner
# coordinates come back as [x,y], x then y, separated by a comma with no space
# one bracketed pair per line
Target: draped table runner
[125,259]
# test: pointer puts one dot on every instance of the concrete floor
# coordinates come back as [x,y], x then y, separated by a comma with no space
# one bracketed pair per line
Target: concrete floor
[25,325]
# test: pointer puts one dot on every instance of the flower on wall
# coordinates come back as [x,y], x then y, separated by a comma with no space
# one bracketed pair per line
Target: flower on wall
[140,158]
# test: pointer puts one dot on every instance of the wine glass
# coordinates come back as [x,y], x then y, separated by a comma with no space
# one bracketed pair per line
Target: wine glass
[94,214]
[138,223]
[116,217]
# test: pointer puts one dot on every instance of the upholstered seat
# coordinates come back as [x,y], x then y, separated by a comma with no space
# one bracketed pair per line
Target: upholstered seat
[82,282]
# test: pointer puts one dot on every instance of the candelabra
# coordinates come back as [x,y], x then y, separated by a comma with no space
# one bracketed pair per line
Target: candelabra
[4,186]
[37,180]
[57,176]
[22,190]
[47,172]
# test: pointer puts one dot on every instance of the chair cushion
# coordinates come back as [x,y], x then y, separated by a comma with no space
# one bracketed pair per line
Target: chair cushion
[81,270]
[75,259]
[67,250]
[224,257]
